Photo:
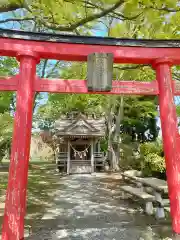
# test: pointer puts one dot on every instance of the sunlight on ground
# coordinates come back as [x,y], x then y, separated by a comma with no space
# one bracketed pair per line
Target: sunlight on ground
[83,207]
[89,207]
[41,186]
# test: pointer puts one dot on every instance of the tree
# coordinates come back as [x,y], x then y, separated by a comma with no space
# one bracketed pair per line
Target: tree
[122,19]
[8,66]
[57,15]
[49,138]
[47,14]
[5,134]
[112,107]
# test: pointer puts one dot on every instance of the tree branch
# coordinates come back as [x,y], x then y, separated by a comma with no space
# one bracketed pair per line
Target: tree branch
[176,76]
[154,7]
[7,6]
[44,69]
[165,9]
[83,21]
[4,7]
[53,69]
[121,16]
[16,19]
[42,75]
[131,67]
[114,14]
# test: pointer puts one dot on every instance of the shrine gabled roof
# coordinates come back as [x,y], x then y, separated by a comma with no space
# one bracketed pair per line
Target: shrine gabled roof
[81,126]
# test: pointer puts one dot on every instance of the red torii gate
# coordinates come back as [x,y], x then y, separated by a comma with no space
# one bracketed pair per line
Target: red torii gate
[29,48]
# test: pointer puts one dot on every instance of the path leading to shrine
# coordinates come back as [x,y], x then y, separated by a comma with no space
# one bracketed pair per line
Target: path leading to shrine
[92,207]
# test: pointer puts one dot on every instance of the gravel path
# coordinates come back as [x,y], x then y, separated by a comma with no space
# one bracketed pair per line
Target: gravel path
[91,207]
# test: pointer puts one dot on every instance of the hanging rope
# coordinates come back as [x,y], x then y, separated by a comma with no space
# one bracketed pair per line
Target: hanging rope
[81,154]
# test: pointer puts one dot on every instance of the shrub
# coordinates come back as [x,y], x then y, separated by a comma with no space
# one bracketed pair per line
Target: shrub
[153,163]
[152,160]
[151,147]
[129,156]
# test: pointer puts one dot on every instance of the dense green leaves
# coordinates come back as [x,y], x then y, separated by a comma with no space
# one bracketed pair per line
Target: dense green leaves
[152,160]
[8,67]
[5,133]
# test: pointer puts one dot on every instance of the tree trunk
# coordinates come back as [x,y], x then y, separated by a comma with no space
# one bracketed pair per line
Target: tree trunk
[111,156]
[117,137]
[54,154]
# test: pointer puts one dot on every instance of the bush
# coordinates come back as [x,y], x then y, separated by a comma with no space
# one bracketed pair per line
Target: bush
[5,134]
[151,147]
[5,149]
[129,157]
[152,162]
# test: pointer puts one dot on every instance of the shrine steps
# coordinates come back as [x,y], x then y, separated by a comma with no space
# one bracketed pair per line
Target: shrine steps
[80,167]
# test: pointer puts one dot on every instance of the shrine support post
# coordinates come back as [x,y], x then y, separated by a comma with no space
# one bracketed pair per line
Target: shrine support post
[15,205]
[68,157]
[92,156]
[170,138]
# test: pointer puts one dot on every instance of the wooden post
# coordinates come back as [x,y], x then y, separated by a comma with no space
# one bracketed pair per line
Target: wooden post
[92,156]
[57,158]
[68,157]
[15,205]
[99,147]
[170,138]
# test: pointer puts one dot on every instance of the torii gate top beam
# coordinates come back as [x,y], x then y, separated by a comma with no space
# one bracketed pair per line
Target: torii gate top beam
[76,48]
[89,40]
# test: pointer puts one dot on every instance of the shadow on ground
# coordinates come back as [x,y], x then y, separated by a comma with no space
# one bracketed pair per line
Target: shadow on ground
[89,207]
[41,186]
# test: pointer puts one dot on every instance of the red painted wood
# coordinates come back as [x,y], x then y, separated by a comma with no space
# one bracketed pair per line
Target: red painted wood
[79,86]
[13,225]
[119,87]
[9,83]
[170,140]
[79,52]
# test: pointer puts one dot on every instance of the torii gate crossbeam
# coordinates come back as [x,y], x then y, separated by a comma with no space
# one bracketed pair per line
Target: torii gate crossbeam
[29,48]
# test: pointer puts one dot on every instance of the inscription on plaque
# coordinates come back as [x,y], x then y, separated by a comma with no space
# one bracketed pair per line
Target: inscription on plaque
[100,72]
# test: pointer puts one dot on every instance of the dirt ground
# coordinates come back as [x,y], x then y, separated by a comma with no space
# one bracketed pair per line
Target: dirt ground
[93,207]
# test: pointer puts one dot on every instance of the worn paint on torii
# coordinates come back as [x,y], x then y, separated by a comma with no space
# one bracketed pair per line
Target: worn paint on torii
[29,48]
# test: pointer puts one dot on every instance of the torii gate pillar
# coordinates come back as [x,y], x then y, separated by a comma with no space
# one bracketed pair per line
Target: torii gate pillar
[170,138]
[15,206]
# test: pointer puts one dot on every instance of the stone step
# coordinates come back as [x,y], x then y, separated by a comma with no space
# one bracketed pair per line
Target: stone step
[80,164]
[80,169]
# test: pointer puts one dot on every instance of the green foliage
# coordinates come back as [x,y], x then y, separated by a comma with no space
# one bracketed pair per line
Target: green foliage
[178,109]
[129,19]
[151,147]
[152,160]
[140,112]
[8,67]
[153,163]
[5,133]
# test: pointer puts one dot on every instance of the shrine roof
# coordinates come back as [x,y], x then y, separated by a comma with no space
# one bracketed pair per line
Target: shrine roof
[91,40]
[80,126]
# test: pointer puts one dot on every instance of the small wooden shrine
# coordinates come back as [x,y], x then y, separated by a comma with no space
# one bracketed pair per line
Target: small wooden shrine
[79,143]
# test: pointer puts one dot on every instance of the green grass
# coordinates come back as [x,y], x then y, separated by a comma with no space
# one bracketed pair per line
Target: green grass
[41,186]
